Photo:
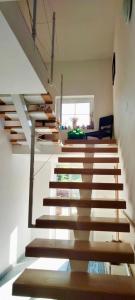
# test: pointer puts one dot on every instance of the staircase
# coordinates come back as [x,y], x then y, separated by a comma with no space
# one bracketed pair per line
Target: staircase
[38,107]
[79,283]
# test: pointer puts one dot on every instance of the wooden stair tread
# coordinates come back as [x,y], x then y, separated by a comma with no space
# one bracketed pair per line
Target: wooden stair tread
[83,223]
[91,171]
[7,108]
[18,143]
[47,98]
[53,120]
[11,123]
[88,160]
[90,141]
[45,130]
[91,203]
[40,108]
[90,150]
[75,285]
[17,136]
[86,185]
[81,250]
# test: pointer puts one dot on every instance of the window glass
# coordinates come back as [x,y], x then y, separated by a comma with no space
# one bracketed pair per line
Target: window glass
[83,120]
[67,120]
[82,108]
[81,111]
[68,108]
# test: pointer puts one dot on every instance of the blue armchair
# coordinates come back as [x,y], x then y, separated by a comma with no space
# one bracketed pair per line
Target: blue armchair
[105,128]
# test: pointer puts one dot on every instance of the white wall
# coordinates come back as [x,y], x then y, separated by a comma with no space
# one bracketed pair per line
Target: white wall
[88,78]
[14,234]
[44,170]
[124,101]
[21,64]
[14,197]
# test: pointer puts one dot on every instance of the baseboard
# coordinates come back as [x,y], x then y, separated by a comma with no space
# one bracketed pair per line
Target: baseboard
[4,273]
[11,267]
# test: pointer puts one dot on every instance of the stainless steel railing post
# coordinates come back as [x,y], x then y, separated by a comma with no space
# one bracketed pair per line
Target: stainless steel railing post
[31,182]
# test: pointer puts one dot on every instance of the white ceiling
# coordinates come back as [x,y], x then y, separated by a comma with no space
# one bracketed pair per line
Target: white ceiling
[84,28]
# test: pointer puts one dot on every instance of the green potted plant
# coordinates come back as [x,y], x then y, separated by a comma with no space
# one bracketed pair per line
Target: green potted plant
[76,134]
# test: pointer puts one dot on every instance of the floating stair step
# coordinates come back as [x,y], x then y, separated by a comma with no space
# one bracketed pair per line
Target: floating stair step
[89,203]
[47,98]
[91,141]
[51,120]
[40,127]
[17,137]
[88,171]
[50,137]
[86,185]
[18,143]
[7,108]
[83,223]
[45,130]
[36,108]
[75,285]
[81,250]
[88,160]
[14,130]
[90,150]
[11,123]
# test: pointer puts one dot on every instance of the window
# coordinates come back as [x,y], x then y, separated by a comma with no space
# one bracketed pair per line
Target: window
[80,111]
[80,107]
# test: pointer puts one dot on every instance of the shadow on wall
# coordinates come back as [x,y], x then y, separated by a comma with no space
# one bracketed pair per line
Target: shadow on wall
[14,182]
[128,167]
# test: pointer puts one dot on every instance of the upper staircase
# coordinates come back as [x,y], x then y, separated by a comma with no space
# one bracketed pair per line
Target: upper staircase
[39,107]
[78,283]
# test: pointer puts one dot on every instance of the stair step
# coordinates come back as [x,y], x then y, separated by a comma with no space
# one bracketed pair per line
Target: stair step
[54,136]
[46,121]
[37,108]
[91,141]
[10,123]
[90,150]
[83,223]
[86,185]
[81,250]
[46,130]
[47,98]
[88,171]
[88,160]
[7,108]
[17,137]
[89,203]
[39,124]
[73,285]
